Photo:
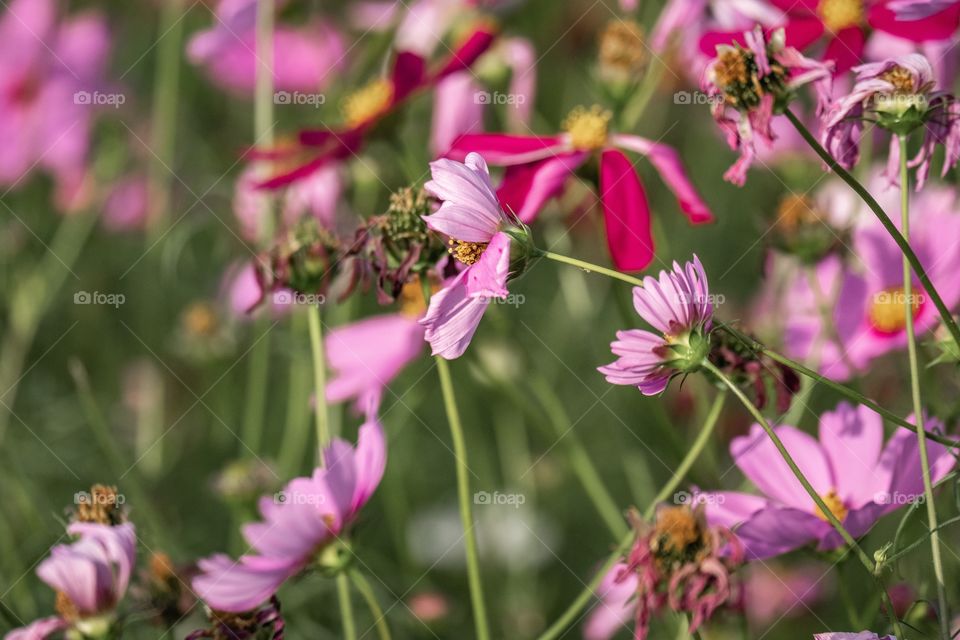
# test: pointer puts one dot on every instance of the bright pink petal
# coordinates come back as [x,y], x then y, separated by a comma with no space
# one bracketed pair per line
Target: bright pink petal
[940,26]
[487,278]
[846,49]
[505,150]
[476,44]
[409,73]
[38,630]
[772,532]
[241,585]
[626,212]
[802,32]
[730,508]
[526,188]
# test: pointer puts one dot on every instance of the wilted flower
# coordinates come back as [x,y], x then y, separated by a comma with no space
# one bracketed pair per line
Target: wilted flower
[677,304]
[538,167]
[680,562]
[898,94]
[480,238]
[299,524]
[90,577]
[751,83]
[858,478]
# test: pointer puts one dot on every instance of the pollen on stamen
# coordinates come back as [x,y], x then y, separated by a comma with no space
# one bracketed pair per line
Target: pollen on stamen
[841,14]
[588,127]
[835,504]
[466,252]
[366,103]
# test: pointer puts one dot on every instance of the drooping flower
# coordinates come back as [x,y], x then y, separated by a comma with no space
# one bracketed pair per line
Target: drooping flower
[299,524]
[898,94]
[864,294]
[367,108]
[470,216]
[538,167]
[752,82]
[51,79]
[90,577]
[858,478]
[680,562]
[305,58]
[846,26]
[678,305]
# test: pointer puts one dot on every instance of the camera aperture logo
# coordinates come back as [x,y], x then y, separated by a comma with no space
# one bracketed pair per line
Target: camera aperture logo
[684,498]
[310,499]
[99,298]
[299,98]
[497,498]
[103,499]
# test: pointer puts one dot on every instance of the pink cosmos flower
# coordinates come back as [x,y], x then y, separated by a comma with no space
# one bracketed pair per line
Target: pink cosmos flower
[298,524]
[470,216]
[367,355]
[50,68]
[858,478]
[841,635]
[677,304]
[899,94]
[367,108]
[90,577]
[866,297]
[776,593]
[304,58]
[845,25]
[679,563]
[538,167]
[752,82]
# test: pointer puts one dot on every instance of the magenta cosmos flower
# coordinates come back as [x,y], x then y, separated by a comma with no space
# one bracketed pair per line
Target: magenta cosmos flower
[919,9]
[865,294]
[750,82]
[299,523]
[305,58]
[898,94]
[366,108]
[90,577]
[539,166]
[680,562]
[846,25]
[471,218]
[50,70]
[677,304]
[858,478]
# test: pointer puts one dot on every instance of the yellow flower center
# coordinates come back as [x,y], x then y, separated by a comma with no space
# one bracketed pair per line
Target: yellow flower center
[888,309]
[200,319]
[900,78]
[466,252]
[835,504]
[730,68]
[588,128]
[840,14]
[365,104]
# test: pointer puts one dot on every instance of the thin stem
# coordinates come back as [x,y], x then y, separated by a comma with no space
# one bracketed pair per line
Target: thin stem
[587,266]
[379,619]
[464,497]
[943,613]
[321,419]
[884,220]
[852,394]
[346,607]
[587,473]
[573,611]
[817,500]
[296,430]
[709,424]
[638,102]
[258,377]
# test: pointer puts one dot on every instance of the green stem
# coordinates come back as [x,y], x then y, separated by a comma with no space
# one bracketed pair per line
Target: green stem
[321,419]
[604,503]
[587,266]
[637,105]
[943,613]
[380,620]
[852,394]
[296,430]
[573,611]
[884,219]
[256,391]
[346,607]
[464,496]
[817,500]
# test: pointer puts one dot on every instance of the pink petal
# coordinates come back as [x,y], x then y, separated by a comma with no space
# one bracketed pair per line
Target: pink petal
[940,26]
[506,150]
[526,188]
[470,210]
[456,111]
[626,212]
[616,607]
[487,278]
[453,318]
[846,49]
[772,532]
[852,438]
[467,53]
[242,585]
